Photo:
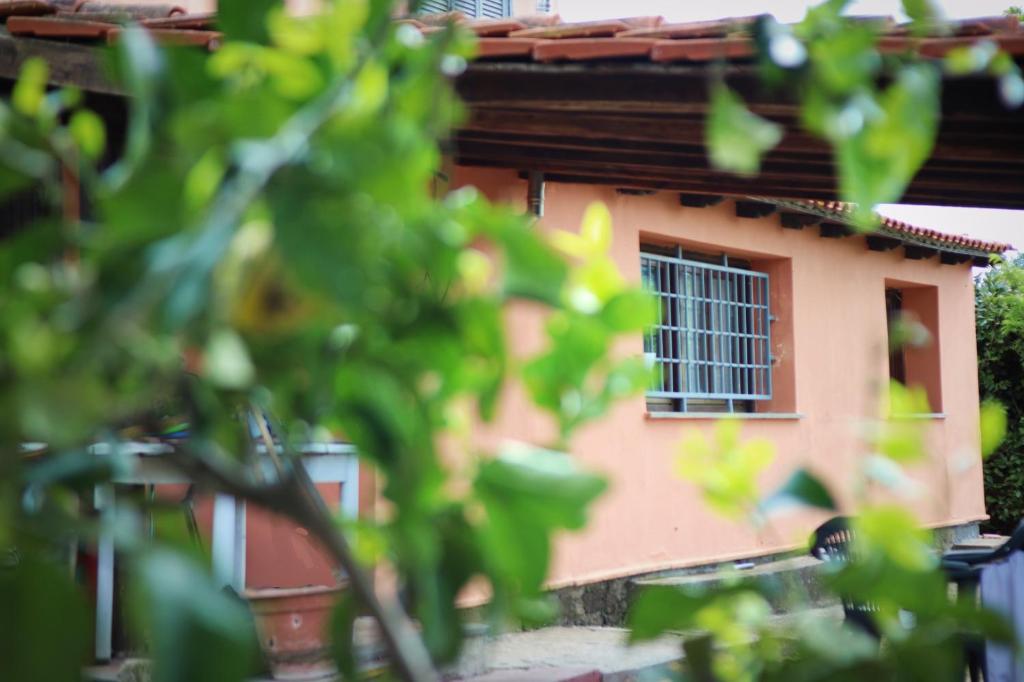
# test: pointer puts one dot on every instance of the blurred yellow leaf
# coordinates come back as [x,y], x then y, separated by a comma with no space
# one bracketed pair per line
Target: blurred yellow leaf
[30,89]
[993,426]
[597,228]
[894,532]
[726,470]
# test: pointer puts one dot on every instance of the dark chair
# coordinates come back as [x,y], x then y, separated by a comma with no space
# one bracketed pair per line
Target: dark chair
[976,557]
[963,569]
[830,543]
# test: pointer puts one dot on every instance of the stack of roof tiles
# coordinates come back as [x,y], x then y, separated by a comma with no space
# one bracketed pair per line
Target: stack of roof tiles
[841,211]
[90,20]
[541,38]
[546,39]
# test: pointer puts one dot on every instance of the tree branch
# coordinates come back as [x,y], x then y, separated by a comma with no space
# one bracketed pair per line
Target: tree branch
[295,496]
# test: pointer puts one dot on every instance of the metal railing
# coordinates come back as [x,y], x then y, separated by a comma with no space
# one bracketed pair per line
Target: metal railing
[712,339]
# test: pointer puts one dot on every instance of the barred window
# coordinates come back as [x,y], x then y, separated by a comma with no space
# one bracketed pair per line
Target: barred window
[492,9]
[711,343]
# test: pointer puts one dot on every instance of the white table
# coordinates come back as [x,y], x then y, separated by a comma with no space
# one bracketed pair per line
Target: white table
[324,462]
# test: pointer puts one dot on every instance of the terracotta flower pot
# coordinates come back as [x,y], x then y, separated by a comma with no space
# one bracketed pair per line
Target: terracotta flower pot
[292,625]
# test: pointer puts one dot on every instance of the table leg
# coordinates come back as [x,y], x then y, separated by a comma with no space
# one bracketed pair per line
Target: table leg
[105,505]
[238,572]
[222,544]
[350,489]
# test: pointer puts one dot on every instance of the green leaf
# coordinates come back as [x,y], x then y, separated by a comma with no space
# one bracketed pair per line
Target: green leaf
[245,20]
[227,363]
[630,310]
[659,609]
[89,132]
[198,632]
[969,59]
[342,626]
[993,426]
[1011,89]
[550,484]
[532,269]
[924,15]
[528,494]
[879,157]
[736,137]
[803,488]
[44,626]
[30,89]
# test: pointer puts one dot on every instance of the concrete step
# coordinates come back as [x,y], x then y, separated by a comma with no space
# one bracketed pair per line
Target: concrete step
[583,654]
[982,542]
[794,583]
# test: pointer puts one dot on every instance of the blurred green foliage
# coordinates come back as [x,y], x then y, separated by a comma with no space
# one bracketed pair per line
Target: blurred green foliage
[265,233]
[879,113]
[999,303]
[730,632]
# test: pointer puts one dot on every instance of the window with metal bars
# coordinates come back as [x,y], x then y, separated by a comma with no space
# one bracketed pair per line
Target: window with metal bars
[711,343]
[491,9]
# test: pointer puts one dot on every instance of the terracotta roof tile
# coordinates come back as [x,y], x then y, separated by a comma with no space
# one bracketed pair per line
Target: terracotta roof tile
[532,20]
[496,27]
[842,211]
[211,40]
[694,29]
[581,49]
[493,48]
[195,21]
[585,29]
[137,10]
[702,49]
[25,8]
[58,27]
[939,47]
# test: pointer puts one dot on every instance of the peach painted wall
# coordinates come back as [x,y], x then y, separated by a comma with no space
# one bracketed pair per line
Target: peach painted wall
[834,342]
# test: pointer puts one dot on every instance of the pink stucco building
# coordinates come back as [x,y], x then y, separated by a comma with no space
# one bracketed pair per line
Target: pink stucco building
[794,328]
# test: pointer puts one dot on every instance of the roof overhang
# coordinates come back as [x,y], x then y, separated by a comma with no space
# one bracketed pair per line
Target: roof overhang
[641,125]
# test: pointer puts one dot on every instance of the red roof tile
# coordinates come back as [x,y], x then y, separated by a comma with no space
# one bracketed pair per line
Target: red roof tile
[582,49]
[586,29]
[694,29]
[842,210]
[58,27]
[505,47]
[25,8]
[702,49]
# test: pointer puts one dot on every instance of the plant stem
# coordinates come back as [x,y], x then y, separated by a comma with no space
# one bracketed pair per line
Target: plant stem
[295,496]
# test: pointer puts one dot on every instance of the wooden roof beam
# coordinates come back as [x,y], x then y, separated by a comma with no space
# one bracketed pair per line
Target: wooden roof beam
[754,209]
[831,230]
[953,258]
[877,242]
[700,200]
[915,252]
[792,220]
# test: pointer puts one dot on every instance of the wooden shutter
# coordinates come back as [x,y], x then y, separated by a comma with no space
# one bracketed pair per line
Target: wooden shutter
[433,6]
[471,8]
[494,9]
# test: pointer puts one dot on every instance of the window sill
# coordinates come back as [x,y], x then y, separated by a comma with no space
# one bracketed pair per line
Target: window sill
[921,415]
[714,416]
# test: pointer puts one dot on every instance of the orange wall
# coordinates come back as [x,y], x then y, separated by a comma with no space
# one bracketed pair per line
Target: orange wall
[835,344]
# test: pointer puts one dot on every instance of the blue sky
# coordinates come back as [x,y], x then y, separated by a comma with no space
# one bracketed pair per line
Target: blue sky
[1006,226]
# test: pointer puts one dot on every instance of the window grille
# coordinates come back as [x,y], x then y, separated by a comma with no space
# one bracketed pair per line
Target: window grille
[492,9]
[712,339]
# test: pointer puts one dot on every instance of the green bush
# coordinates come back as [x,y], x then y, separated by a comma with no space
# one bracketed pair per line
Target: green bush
[999,297]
